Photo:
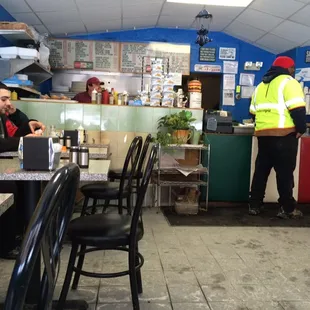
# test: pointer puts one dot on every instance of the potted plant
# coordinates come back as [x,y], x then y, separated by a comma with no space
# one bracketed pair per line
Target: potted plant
[177,126]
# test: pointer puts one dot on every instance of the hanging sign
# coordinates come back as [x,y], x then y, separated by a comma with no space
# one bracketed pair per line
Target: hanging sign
[227,53]
[207,54]
[208,68]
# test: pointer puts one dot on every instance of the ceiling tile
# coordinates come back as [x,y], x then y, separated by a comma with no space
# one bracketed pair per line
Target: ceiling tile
[97,26]
[143,9]
[99,4]
[273,51]
[280,8]
[304,1]
[302,16]
[51,5]
[41,29]
[292,31]
[93,14]
[28,18]
[276,43]
[244,31]
[15,6]
[69,28]
[259,19]
[175,21]
[49,18]
[140,22]
[176,9]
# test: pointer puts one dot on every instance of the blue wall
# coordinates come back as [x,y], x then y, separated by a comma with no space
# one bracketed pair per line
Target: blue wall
[245,52]
[5,16]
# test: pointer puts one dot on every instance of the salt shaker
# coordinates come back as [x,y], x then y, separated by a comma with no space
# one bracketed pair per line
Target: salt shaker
[74,154]
[68,142]
[84,157]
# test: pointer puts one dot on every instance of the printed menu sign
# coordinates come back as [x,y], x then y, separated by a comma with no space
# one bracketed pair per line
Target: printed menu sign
[307,60]
[207,54]
[83,54]
[134,54]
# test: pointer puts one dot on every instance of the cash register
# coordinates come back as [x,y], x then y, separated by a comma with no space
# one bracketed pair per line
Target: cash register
[217,121]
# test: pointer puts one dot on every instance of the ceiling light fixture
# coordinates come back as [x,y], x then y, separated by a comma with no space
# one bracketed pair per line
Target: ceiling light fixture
[236,3]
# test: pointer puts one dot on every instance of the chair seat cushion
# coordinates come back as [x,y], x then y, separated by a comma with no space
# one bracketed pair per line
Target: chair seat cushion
[116,174]
[106,190]
[103,230]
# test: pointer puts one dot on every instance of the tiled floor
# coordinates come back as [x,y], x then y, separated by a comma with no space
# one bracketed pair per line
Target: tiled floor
[189,268]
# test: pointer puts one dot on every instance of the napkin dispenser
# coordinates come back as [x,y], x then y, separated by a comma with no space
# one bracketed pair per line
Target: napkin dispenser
[40,153]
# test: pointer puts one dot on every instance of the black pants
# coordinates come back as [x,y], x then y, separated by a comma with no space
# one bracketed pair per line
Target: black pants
[279,153]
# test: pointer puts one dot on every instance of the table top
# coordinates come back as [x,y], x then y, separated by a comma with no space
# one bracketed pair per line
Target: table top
[6,201]
[94,155]
[10,171]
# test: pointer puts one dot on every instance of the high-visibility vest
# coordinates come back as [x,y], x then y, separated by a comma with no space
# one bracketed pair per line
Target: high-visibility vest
[271,104]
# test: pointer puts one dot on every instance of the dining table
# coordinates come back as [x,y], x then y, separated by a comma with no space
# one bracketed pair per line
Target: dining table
[29,186]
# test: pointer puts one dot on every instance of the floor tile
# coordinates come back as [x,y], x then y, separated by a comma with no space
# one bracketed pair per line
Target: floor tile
[128,306]
[114,294]
[231,305]
[155,294]
[186,293]
[190,306]
[175,278]
[268,305]
[253,292]
[220,292]
[295,305]
[89,294]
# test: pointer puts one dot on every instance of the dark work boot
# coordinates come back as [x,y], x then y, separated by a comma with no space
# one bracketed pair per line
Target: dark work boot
[255,208]
[296,214]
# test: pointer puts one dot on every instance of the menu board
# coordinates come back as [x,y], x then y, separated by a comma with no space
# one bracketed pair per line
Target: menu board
[84,54]
[133,54]
[207,54]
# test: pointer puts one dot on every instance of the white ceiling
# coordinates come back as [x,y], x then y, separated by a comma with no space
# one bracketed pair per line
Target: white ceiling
[274,25]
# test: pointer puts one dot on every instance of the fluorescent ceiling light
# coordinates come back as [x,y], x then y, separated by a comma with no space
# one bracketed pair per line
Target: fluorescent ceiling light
[239,3]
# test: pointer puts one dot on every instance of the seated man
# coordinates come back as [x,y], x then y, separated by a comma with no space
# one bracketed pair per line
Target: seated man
[13,123]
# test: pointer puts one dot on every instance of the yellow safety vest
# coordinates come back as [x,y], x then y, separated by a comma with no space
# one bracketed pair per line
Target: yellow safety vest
[271,104]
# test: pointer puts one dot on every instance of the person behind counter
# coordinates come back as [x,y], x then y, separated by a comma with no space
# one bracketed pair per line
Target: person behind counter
[13,123]
[91,84]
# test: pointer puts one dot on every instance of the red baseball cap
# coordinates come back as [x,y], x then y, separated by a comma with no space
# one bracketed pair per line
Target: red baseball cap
[93,80]
[284,62]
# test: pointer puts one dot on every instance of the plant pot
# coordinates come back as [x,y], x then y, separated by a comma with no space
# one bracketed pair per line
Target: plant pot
[195,138]
[181,136]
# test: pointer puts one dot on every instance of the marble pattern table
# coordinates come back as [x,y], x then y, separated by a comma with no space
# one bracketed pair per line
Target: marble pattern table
[6,201]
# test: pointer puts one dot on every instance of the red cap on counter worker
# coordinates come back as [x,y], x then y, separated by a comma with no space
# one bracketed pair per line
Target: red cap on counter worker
[284,62]
[92,81]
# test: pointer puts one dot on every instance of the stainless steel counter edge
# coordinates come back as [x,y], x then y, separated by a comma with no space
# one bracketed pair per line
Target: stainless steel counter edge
[63,155]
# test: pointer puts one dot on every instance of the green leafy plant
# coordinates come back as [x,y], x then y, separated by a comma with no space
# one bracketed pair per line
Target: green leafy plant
[176,121]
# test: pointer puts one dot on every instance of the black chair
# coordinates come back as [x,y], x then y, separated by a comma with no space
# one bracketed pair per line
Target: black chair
[116,174]
[45,234]
[119,191]
[110,232]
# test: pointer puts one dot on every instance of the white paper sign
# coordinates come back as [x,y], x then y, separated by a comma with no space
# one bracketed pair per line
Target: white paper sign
[177,78]
[229,81]
[230,67]
[247,79]
[228,97]
[208,68]
[227,53]
[247,91]
[302,75]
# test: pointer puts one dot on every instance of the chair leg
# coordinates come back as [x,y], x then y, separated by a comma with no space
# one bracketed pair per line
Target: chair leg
[120,205]
[133,279]
[79,267]
[138,274]
[85,204]
[94,209]
[129,204]
[68,277]
[105,206]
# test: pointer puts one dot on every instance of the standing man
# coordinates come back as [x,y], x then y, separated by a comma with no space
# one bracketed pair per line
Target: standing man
[278,107]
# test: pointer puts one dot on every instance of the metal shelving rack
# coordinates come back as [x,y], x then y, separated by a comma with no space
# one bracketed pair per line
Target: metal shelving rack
[202,173]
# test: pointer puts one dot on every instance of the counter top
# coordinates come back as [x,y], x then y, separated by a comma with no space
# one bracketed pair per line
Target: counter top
[6,201]
[10,171]
[64,155]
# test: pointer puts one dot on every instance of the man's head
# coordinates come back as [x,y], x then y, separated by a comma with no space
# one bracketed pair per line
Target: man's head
[285,63]
[5,95]
[91,84]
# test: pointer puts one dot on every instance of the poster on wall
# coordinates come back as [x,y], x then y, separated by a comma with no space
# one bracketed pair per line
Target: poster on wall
[302,74]
[307,60]
[229,81]
[227,53]
[230,67]
[207,54]
[247,91]
[247,79]
[208,68]
[228,97]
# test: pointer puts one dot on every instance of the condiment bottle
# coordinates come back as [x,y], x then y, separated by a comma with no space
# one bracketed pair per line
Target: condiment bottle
[111,99]
[80,134]
[14,95]
[105,97]
[98,98]
[93,96]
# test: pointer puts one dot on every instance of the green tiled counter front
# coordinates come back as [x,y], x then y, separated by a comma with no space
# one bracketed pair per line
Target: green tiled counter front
[98,117]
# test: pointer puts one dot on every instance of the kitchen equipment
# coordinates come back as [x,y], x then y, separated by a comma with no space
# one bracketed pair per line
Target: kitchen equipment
[40,153]
[68,142]
[215,121]
[74,135]
[62,141]
[84,157]
[99,98]
[74,155]
[22,77]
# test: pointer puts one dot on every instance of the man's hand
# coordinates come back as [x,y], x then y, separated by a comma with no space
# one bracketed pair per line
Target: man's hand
[298,135]
[33,135]
[34,125]
[10,108]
